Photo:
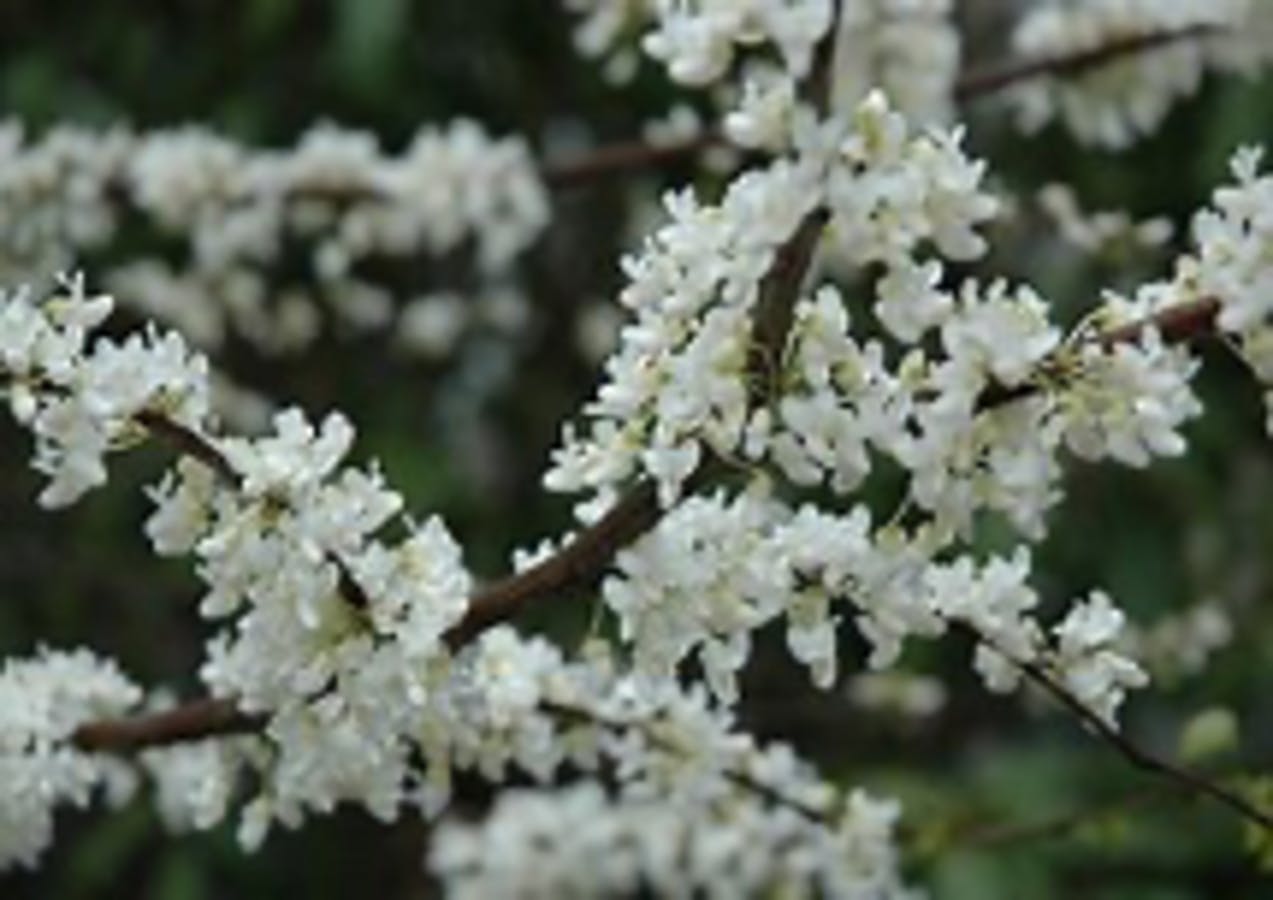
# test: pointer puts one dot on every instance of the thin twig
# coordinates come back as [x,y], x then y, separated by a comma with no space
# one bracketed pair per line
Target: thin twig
[625,156]
[1132,752]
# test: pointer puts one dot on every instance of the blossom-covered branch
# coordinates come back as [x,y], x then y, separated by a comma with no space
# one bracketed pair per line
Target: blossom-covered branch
[993,79]
[352,658]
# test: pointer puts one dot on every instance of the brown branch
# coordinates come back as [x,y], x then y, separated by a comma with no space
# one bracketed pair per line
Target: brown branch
[615,159]
[990,80]
[780,288]
[195,720]
[188,441]
[579,562]
[1178,324]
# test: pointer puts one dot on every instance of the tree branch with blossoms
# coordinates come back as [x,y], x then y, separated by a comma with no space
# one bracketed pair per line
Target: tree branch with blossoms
[581,562]
[354,659]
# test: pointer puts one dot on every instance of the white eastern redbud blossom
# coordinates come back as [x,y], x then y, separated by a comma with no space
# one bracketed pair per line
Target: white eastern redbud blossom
[678,384]
[335,193]
[194,783]
[1231,264]
[1087,658]
[1107,231]
[43,700]
[909,49]
[1130,401]
[697,41]
[1129,96]
[1181,644]
[578,842]
[81,402]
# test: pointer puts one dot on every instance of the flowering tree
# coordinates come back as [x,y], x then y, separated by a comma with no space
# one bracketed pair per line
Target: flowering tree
[820,326]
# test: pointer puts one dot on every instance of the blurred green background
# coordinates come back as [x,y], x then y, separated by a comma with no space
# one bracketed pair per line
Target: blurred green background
[469,437]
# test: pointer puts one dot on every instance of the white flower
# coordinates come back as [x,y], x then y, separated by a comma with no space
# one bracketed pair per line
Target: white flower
[43,700]
[1093,669]
[1115,103]
[697,42]
[910,301]
[294,460]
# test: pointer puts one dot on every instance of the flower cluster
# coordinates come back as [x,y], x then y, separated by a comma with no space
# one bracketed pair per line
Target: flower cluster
[909,49]
[581,843]
[336,199]
[1120,101]
[697,41]
[1103,231]
[680,379]
[80,402]
[43,700]
[329,631]
[679,375]
[336,641]
[698,807]
[715,570]
[1182,644]
[1231,266]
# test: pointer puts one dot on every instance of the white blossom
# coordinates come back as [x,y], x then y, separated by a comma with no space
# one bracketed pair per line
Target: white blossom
[336,193]
[1121,100]
[1094,671]
[43,700]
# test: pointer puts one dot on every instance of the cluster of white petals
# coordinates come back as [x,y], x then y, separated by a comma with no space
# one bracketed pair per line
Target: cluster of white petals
[1102,231]
[1097,674]
[897,693]
[715,570]
[1232,265]
[336,641]
[698,807]
[340,626]
[82,402]
[1182,644]
[194,783]
[330,631]
[1128,97]
[679,383]
[43,700]
[581,843]
[909,49]
[697,40]
[336,200]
